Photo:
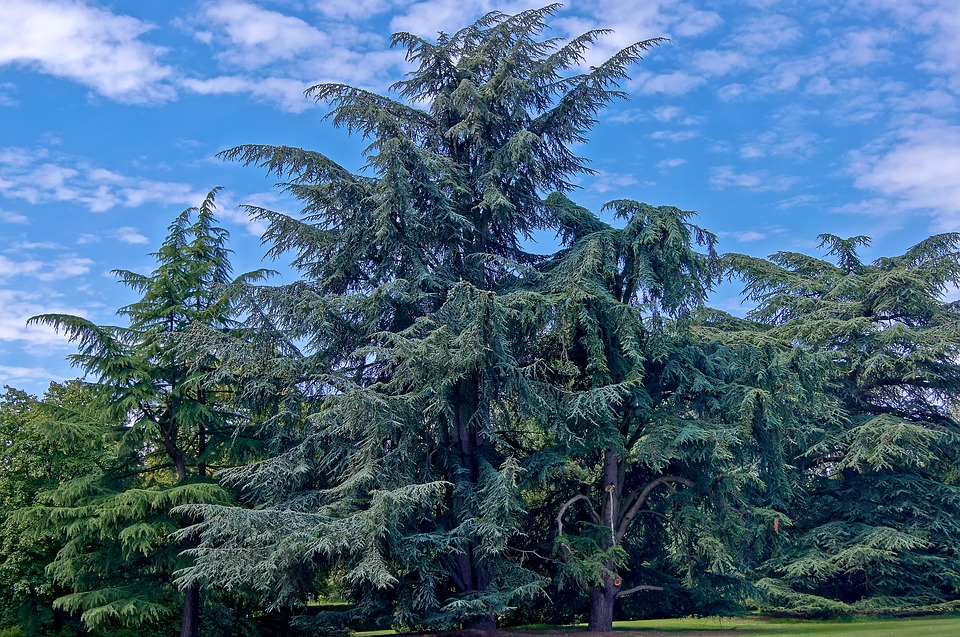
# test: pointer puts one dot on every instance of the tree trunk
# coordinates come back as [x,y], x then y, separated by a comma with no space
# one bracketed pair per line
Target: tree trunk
[601,607]
[191,612]
[486,623]
[603,598]
[470,574]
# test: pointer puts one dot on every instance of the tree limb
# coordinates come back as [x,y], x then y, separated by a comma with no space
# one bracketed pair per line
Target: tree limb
[644,494]
[571,501]
[642,587]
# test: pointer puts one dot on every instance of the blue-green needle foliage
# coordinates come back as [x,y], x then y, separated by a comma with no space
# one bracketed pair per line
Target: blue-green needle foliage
[878,507]
[668,414]
[408,349]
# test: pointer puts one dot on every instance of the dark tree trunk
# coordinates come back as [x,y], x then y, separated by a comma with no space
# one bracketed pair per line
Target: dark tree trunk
[487,623]
[470,574]
[602,600]
[191,612]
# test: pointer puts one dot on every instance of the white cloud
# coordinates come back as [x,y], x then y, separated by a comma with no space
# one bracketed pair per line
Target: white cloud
[674,135]
[20,305]
[667,113]
[129,235]
[285,92]
[674,83]
[720,62]
[36,245]
[918,172]
[85,44]
[428,18]
[15,375]
[766,33]
[671,163]
[604,182]
[743,236]
[64,178]
[6,91]
[353,9]
[13,217]
[865,46]
[756,181]
[87,238]
[18,267]
[66,267]
[731,92]
[259,37]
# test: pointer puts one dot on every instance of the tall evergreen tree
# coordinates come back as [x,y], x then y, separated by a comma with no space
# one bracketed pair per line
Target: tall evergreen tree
[667,410]
[413,329]
[158,426]
[878,503]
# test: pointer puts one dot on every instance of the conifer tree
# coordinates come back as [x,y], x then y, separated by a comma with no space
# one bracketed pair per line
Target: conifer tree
[158,427]
[412,332]
[877,501]
[667,409]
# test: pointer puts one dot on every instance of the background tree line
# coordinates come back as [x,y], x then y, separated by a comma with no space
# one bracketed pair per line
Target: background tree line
[442,427]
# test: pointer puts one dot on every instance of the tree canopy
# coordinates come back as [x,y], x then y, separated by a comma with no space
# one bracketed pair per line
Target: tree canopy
[440,424]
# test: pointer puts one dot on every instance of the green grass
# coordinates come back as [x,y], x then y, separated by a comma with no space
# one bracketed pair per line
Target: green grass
[939,626]
[930,626]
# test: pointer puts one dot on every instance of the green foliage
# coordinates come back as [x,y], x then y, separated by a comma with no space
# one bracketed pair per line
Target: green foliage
[407,352]
[159,428]
[671,418]
[876,505]
[32,463]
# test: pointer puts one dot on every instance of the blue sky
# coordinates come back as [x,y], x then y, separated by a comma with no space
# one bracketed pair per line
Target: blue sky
[775,120]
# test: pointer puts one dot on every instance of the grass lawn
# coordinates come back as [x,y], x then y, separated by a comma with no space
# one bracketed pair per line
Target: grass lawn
[931,626]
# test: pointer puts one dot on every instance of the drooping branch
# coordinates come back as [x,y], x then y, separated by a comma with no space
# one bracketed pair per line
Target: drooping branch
[642,498]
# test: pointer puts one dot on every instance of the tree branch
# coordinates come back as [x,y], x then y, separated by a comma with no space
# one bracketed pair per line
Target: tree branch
[644,494]
[642,587]
[567,505]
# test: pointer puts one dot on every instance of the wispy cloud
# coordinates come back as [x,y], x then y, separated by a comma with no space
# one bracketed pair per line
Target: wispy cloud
[7,216]
[287,93]
[60,268]
[129,235]
[14,376]
[917,172]
[39,177]
[258,37]
[20,305]
[604,182]
[671,163]
[743,236]
[674,135]
[85,44]
[723,177]
[7,89]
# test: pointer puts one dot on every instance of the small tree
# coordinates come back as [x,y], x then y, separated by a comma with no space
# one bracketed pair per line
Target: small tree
[31,463]
[160,428]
